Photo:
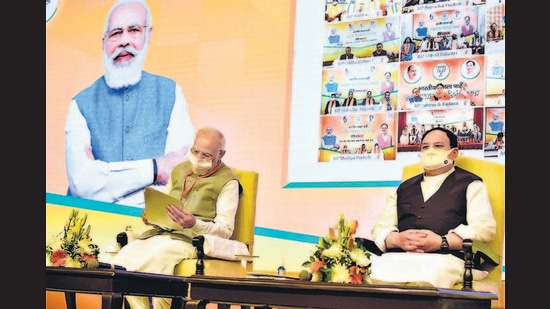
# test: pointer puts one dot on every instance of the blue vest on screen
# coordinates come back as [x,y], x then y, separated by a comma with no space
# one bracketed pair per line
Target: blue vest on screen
[329,140]
[496,126]
[129,123]
[443,211]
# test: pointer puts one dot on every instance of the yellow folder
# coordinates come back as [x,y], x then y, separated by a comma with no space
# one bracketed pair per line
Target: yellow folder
[156,203]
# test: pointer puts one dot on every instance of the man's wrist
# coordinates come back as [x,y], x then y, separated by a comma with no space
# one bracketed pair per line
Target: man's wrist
[444,244]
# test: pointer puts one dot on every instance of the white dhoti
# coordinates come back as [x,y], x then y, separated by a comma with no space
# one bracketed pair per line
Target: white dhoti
[438,270]
[159,255]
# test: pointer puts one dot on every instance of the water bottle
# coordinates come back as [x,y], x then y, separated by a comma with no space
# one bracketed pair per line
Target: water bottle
[281,271]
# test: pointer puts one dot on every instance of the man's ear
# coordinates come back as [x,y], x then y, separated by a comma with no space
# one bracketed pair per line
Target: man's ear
[454,154]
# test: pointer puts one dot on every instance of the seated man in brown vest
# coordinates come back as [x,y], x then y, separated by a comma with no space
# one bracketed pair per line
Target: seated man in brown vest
[210,193]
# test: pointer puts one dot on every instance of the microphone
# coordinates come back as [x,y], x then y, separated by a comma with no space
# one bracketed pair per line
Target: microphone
[305,275]
[92,264]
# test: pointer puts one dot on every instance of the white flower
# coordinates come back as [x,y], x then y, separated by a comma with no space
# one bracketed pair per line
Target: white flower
[359,257]
[317,277]
[334,251]
[340,273]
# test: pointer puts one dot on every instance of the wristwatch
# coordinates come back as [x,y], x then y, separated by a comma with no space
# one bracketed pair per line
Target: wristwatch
[444,244]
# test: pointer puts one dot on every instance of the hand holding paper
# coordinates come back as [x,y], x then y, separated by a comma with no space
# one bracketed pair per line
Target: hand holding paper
[182,217]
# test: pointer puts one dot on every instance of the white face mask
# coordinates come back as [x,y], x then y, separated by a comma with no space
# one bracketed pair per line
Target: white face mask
[200,166]
[433,159]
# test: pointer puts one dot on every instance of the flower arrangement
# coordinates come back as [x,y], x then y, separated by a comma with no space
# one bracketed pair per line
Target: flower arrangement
[338,257]
[73,247]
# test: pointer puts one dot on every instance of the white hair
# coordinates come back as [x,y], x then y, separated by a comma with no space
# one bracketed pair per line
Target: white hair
[148,20]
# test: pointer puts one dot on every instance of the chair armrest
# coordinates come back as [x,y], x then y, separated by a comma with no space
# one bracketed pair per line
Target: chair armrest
[223,248]
[218,248]
[123,238]
[468,276]
[476,256]
[198,242]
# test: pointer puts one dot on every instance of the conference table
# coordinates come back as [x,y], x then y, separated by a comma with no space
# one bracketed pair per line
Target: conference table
[280,292]
[195,292]
[113,284]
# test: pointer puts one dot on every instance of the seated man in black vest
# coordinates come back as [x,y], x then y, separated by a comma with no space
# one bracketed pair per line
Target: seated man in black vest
[433,213]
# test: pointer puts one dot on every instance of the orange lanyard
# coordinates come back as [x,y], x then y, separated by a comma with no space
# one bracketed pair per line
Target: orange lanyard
[189,172]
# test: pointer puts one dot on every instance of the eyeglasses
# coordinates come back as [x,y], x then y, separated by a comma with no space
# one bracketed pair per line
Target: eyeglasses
[207,155]
[133,31]
[384,128]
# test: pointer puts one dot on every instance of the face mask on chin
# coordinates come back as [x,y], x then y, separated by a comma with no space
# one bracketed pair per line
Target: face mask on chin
[199,166]
[433,159]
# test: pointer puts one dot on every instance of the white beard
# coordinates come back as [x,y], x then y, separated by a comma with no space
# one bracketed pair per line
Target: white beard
[127,74]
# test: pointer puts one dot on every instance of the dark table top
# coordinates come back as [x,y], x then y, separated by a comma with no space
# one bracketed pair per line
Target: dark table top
[99,281]
[297,293]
